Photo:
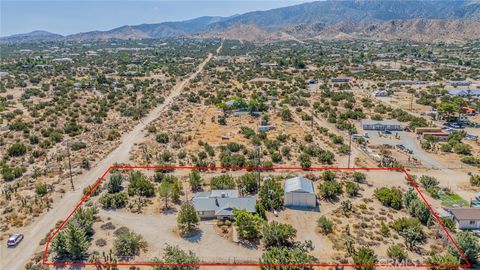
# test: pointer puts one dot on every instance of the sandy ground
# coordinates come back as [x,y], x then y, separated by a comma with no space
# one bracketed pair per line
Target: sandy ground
[16,258]
[160,229]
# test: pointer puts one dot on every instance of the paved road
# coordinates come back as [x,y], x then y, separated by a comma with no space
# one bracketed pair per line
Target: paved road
[17,258]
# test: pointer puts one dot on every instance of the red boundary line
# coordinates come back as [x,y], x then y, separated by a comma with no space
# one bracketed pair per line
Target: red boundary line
[403,170]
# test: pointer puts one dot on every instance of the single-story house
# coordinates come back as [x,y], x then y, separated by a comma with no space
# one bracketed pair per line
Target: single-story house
[380,93]
[381,125]
[340,80]
[299,192]
[460,83]
[470,92]
[220,203]
[466,217]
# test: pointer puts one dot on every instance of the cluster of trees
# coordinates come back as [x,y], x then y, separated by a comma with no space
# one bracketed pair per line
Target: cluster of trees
[72,241]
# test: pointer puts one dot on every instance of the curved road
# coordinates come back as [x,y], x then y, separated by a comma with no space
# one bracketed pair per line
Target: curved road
[16,258]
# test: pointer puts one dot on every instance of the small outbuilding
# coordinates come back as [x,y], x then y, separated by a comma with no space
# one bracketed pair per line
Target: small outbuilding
[299,192]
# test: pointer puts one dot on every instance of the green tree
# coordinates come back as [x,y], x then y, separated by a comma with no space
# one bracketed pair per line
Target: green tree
[278,234]
[247,224]
[275,256]
[438,260]
[165,191]
[129,244]
[59,244]
[174,255]
[247,183]
[365,257]
[140,186]
[222,182]
[271,195]
[469,244]
[187,219]
[115,183]
[195,180]
[76,241]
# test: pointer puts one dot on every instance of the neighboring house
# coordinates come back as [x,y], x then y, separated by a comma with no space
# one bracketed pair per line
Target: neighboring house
[460,83]
[265,127]
[380,93]
[467,218]
[471,92]
[381,125]
[340,80]
[299,192]
[220,203]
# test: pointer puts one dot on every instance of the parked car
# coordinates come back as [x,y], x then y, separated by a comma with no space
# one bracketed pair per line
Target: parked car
[387,132]
[14,239]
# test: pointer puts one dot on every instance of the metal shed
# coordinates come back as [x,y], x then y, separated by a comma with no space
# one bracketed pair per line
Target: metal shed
[299,192]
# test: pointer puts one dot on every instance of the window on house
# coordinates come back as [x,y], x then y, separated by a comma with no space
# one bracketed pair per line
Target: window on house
[472,222]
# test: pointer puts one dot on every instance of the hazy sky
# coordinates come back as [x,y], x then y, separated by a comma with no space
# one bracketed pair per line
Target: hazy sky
[70,16]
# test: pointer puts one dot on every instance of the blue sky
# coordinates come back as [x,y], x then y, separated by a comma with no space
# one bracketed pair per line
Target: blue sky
[69,16]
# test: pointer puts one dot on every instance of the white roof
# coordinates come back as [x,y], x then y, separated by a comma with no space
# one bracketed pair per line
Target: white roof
[299,185]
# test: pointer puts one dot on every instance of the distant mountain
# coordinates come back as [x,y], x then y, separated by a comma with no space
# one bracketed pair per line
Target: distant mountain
[31,37]
[424,30]
[158,30]
[347,18]
[368,11]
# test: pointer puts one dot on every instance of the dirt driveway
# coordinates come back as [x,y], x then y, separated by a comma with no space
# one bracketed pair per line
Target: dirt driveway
[159,230]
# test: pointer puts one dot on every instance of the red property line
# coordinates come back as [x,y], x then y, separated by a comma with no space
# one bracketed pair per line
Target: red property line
[206,168]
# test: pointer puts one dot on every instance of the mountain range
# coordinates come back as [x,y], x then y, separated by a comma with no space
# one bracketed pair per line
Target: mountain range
[385,19]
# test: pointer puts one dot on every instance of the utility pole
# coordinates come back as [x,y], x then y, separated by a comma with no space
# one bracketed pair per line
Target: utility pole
[313,113]
[349,147]
[258,166]
[70,166]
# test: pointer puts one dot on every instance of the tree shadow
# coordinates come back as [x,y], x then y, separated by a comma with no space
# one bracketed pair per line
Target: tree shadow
[169,211]
[194,237]
[250,244]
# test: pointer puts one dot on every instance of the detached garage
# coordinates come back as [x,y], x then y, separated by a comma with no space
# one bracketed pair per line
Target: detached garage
[299,192]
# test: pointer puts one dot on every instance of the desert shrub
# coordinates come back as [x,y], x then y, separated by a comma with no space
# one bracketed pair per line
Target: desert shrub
[325,225]
[352,189]
[114,200]
[397,252]
[475,180]
[391,197]
[78,145]
[140,186]
[329,189]
[129,244]
[162,138]
[17,149]
[41,189]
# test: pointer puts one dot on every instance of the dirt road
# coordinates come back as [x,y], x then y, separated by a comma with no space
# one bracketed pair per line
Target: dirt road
[16,258]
